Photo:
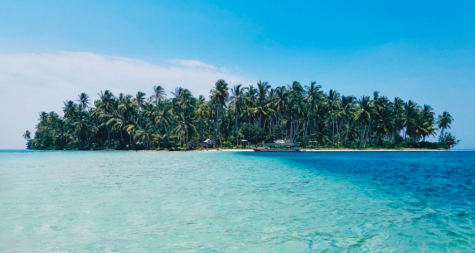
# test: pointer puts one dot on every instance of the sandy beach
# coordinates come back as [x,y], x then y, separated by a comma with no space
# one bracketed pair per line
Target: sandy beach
[341,150]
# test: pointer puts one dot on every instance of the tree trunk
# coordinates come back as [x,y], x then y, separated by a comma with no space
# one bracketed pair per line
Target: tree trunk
[333,130]
[347,130]
[79,141]
[219,132]
[87,137]
[168,136]
[281,128]
[291,128]
[201,130]
[305,133]
[362,134]
[236,129]
[108,136]
[405,133]
[216,123]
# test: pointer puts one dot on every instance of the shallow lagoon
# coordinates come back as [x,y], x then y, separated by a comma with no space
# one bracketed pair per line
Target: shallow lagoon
[236,202]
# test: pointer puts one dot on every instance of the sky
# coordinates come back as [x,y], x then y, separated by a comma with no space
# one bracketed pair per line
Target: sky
[50,51]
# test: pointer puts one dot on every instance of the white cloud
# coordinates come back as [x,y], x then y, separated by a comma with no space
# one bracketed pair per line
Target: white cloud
[193,64]
[30,83]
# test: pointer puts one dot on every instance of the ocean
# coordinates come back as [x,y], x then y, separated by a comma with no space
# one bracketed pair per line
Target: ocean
[117,201]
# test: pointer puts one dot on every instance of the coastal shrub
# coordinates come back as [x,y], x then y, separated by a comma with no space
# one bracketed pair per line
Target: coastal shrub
[353,145]
[72,146]
[252,133]
[401,145]
[53,147]
[448,139]
[117,145]
[442,145]
[227,144]
[387,144]
[427,145]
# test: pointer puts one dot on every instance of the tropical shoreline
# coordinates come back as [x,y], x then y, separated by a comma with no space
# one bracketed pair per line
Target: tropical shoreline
[345,150]
[306,150]
[294,113]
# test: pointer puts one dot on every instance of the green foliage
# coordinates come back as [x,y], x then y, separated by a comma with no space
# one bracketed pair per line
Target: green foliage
[401,145]
[293,113]
[227,144]
[448,140]
[387,145]
[252,133]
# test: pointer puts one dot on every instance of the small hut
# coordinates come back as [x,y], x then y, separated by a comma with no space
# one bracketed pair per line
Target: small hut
[208,142]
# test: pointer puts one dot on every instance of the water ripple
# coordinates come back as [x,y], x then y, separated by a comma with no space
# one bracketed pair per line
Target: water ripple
[237,202]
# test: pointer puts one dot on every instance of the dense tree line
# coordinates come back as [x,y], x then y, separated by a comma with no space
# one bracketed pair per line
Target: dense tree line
[294,113]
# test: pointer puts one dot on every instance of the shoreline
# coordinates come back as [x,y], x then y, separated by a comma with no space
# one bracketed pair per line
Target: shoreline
[307,150]
[250,150]
[310,150]
[343,150]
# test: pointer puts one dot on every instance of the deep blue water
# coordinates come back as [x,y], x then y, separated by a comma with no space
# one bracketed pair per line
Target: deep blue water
[237,202]
[445,180]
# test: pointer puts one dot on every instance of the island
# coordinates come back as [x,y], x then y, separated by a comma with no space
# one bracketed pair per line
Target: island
[240,117]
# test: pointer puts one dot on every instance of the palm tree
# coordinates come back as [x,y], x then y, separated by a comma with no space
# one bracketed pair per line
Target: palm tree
[165,118]
[144,136]
[140,100]
[104,105]
[314,98]
[382,118]
[426,122]
[43,116]
[118,122]
[296,107]
[202,112]
[131,129]
[158,94]
[237,96]
[128,107]
[81,125]
[281,97]
[444,121]
[364,116]
[411,114]
[397,111]
[70,110]
[184,130]
[83,100]
[347,113]
[332,105]
[219,94]
[27,135]
[262,88]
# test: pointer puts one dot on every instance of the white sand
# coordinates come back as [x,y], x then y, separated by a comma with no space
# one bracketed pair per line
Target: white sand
[341,150]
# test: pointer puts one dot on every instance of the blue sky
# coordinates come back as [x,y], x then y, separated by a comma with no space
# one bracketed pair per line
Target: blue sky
[412,49]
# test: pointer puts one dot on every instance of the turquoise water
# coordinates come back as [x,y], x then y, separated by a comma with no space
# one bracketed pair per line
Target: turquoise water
[237,202]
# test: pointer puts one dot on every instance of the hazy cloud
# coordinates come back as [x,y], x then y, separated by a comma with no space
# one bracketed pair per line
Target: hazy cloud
[193,64]
[30,83]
